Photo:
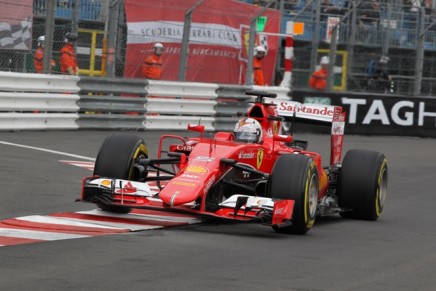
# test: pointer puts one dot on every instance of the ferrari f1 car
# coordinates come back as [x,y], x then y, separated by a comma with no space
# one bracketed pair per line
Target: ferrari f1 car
[251,174]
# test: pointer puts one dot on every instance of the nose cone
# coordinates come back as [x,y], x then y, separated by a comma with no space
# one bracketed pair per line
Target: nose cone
[178,192]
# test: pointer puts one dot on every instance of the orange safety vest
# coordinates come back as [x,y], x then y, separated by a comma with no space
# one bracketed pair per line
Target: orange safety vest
[318,80]
[258,73]
[152,68]
[37,59]
[68,58]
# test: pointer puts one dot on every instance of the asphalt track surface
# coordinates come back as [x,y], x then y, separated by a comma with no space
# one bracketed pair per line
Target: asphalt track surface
[398,252]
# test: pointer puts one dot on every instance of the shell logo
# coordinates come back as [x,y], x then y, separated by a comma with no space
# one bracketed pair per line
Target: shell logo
[106,183]
[196,169]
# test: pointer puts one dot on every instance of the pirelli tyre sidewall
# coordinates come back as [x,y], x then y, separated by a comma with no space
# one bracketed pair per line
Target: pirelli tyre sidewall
[115,160]
[363,184]
[295,177]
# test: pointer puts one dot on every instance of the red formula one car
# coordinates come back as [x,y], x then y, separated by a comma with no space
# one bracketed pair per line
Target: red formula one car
[253,174]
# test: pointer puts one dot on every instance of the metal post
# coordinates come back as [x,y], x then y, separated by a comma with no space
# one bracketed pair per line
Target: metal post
[419,64]
[333,46]
[279,56]
[113,29]
[185,40]
[386,34]
[75,16]
[315,37]
[332,57]
[351,42]
[48,43]
[249,73]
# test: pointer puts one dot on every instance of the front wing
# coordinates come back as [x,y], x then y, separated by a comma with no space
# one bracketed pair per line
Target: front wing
[130,194]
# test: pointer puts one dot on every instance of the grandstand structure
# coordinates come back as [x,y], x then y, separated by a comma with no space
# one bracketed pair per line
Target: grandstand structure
[402,30]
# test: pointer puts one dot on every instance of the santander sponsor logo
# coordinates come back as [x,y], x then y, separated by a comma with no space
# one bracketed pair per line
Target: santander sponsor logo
[246,155]
[306,108]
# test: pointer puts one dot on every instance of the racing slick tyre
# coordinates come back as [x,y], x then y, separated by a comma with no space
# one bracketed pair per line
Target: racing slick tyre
[363,184]
[115,160]
[295,177]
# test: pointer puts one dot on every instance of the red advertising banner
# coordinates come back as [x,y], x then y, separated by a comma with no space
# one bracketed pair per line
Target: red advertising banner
[219,36]
[16,24]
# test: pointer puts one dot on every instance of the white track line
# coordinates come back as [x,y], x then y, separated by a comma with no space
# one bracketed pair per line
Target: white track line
[41,235]
[47,151]
[143,216]
[86,223]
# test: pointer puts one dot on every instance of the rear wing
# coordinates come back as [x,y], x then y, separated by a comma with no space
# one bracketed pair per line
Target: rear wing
[317,114]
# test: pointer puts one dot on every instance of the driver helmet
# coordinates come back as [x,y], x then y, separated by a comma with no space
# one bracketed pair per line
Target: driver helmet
[248,130]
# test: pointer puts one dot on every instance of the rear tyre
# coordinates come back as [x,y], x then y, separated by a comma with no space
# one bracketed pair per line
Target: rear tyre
[363,184]
[295,177]
[115,160]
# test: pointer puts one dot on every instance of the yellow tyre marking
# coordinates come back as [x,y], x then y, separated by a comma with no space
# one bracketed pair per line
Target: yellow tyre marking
[141,149]
[309,221]
[377,196]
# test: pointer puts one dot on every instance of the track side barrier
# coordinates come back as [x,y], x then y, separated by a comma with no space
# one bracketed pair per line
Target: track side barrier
[38,102]
[111,103]
[173,105]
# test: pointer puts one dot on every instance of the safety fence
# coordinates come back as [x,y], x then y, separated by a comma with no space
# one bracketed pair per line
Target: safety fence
[46,102]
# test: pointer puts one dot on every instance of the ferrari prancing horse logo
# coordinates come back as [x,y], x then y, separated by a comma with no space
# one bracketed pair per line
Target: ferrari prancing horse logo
[259,158]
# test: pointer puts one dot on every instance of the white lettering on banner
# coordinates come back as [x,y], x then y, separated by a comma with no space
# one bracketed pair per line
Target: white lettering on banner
[172,32]
[408,121]
[353,107]
[376,112]
[423,114]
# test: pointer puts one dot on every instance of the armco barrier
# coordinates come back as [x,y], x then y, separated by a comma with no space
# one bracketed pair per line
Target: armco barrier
[38,102]
[110,103]
[17,82]
[37,121]
[181,89]
[173,105]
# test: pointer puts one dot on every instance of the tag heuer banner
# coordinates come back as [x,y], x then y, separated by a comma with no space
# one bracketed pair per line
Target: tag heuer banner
[219,37]
[16,24]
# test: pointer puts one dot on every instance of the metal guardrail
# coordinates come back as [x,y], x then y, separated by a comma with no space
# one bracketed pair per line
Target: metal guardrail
[34,109]
[38,102]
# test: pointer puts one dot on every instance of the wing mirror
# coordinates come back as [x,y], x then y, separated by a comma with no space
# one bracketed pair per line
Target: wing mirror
[196,127]
[283,138]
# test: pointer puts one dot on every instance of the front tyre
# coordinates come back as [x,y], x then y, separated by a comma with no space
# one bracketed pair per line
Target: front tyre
[295,177]
[115,160]
[363,184]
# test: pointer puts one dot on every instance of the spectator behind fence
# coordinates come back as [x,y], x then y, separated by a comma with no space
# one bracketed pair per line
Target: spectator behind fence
[38,58]
[152,67]
[318,80]
[368,20]
[259,54]
[379,79]
[68,58]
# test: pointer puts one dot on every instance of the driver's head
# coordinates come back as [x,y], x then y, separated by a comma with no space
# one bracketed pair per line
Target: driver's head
[248,130]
